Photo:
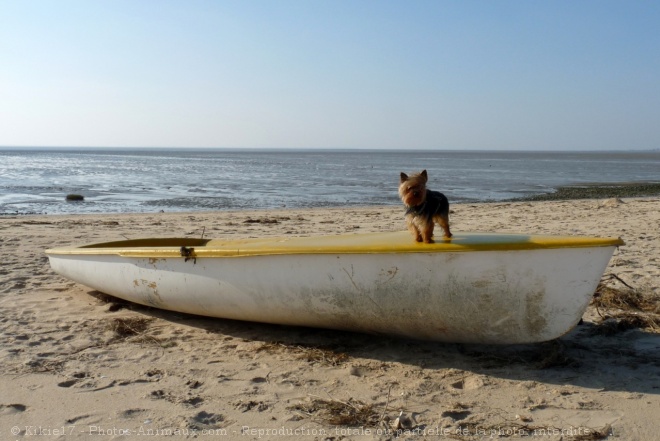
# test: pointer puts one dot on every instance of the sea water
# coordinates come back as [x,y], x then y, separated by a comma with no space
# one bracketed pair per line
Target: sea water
[152,180]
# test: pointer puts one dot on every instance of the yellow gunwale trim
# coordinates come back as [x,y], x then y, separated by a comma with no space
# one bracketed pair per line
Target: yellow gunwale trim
[369,243]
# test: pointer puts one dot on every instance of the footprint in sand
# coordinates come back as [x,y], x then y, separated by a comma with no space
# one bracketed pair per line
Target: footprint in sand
[11,409]
[68,383]
[206,420]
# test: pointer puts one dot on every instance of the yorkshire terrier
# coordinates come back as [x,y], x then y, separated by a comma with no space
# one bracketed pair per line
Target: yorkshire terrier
[423,207]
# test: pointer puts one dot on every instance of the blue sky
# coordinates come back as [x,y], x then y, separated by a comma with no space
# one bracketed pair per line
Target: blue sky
[528,74]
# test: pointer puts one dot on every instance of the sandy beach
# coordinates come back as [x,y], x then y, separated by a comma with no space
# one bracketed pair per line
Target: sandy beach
[77,364]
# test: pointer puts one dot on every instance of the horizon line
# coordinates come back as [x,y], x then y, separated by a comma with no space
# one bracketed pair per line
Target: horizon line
[273,148]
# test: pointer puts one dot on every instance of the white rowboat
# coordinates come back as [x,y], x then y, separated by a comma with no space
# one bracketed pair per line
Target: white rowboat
[474,288]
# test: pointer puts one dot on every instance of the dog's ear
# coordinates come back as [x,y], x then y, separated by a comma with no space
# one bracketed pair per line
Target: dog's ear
[404,177]
[424,175]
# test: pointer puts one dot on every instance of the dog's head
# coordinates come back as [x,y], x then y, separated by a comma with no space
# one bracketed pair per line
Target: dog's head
[412,189]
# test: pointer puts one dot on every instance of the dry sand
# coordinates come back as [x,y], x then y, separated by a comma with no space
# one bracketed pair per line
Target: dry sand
[79,365]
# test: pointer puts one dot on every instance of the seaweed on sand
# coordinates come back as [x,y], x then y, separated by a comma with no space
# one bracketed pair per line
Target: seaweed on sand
[624,308]
[325,355]
[128,326]
[351,413]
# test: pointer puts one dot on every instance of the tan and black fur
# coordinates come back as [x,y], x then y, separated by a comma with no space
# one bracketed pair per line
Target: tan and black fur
[423,207]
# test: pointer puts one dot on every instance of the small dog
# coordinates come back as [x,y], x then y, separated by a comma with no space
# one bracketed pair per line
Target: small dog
[423,207]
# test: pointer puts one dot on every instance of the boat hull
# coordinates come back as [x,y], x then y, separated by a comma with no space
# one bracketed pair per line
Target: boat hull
[499,297]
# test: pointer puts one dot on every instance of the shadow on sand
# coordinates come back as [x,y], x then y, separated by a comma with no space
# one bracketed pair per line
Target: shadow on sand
[626,360]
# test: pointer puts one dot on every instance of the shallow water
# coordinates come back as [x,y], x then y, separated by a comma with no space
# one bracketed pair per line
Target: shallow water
[151,180]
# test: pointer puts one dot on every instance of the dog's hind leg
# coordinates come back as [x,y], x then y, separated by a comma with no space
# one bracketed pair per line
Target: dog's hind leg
[443,221]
